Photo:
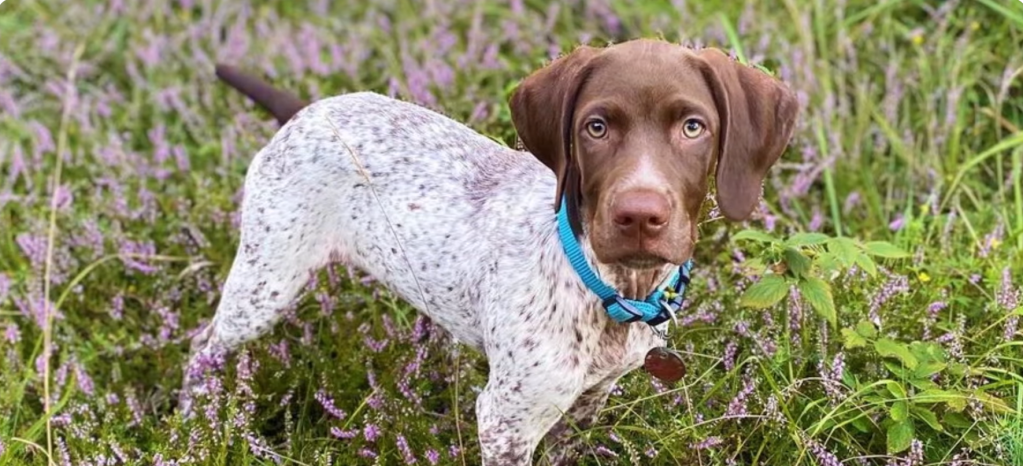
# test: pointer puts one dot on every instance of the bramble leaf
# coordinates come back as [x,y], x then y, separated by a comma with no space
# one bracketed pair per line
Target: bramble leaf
[817,292]
[900,435]
[755,235]
[765,293]
[887,347]
[884,249]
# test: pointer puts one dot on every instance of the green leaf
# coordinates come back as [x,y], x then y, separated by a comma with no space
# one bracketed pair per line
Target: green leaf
[927,351]
[900,435]
[885,249]
[852,339]
[844,249]
[765,293]
[829,264]
[957,420]
[955,401]
[887,347]
[992,402]
[899,411]
[928,417]
[896,369]
[867,264]
[755,235]
[866,329]
[927,369]
[806,239]
[923,384]
[896,388]
[817,292]
[862,424]
[797,262]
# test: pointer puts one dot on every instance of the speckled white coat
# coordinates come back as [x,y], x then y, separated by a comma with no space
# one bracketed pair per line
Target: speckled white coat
[459,226]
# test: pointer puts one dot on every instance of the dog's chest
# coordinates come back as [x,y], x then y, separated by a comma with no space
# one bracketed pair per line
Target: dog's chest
[619,349]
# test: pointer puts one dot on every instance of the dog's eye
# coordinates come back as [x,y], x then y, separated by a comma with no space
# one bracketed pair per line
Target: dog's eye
[596,128]
[692,128]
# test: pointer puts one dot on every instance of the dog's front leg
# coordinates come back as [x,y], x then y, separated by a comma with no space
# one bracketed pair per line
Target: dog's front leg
[516,410]
[537,371]
[565,439]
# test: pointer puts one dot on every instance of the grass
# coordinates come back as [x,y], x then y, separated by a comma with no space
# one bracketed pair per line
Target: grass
[122,160]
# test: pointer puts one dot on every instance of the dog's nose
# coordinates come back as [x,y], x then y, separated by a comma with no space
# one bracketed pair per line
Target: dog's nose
[641,212]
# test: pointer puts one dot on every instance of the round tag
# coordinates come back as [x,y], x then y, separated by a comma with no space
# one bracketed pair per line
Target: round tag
[664,364]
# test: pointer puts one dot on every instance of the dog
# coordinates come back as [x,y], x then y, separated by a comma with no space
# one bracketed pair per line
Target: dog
[543,259]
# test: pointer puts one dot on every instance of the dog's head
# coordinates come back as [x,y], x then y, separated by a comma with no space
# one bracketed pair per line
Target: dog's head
[633,132]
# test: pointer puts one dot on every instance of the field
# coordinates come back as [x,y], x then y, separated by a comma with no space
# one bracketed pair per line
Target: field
[887,332]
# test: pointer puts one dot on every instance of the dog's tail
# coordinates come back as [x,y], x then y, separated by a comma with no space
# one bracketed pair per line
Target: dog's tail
[281,104]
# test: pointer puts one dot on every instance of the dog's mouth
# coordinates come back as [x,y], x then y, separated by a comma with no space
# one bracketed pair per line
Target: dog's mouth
[643,260]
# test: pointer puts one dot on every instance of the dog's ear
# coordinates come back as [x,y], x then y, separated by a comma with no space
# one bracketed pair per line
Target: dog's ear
[757,117]
[542,109]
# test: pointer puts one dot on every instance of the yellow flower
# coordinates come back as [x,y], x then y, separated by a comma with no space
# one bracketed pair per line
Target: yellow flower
[974,25]
[924,277]
[918,39]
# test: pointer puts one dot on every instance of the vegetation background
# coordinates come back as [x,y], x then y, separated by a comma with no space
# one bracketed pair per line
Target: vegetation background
[869,315]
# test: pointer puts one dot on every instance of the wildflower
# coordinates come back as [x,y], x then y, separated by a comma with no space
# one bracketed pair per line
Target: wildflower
[823,456]
[728,359]
[832,378]
[12,334]
[367,453]
[916,453]
[328,404]
[991,240]
[406,451]
[709,442]
[737,407]
[1008,299]
[371,432]
[897,223]
[343,434]
[896,284]
[605,451]
[932,316]
[433,456]
[771,410]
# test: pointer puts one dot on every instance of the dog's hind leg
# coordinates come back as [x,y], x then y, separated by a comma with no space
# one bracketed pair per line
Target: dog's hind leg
[282,241]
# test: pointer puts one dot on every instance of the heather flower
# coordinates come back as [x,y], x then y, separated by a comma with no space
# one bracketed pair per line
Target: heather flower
[344,434]
[896,284]
[1008,299]
[831,377]
[709,442]
[822,455]
[897,223]
[992,240]
[12,334]
[406,451]
[737,407]
[605,451]
[328,404]
[728,359]
[932,316]
[916,453]
[371,432]
[433,456]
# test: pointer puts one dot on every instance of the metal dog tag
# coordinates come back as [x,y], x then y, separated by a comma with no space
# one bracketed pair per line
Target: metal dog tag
[664,364]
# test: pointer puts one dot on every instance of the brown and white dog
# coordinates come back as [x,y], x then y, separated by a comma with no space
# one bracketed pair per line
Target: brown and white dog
[464,228]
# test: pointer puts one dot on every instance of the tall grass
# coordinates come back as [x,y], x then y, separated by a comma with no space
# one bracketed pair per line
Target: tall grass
[118,224]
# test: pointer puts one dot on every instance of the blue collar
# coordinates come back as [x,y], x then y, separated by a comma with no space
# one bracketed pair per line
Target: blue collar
[656,309]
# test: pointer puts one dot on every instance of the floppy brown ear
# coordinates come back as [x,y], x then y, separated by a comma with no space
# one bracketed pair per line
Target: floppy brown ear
[757,117]
[542,108]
